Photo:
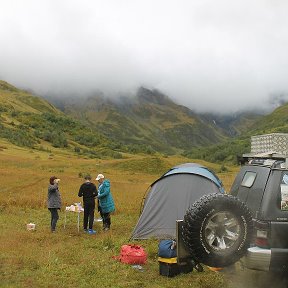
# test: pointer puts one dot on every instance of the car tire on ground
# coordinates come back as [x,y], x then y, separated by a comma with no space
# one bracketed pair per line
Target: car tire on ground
[217,229]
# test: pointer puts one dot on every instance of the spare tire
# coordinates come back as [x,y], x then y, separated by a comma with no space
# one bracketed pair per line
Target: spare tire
[217,229]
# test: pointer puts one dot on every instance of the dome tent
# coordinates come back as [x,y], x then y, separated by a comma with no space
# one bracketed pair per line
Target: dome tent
[170,196]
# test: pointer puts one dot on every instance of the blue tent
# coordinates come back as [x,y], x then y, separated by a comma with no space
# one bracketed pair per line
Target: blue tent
[170,196]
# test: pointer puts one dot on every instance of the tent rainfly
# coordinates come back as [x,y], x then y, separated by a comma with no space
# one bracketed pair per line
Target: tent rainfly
[170,196]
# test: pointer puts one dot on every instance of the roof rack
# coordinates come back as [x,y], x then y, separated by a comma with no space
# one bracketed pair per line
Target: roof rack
[266,155]
[267,159]
[267,149]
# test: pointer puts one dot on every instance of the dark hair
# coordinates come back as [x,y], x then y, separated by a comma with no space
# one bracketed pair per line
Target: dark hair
[51,180]
[87,177]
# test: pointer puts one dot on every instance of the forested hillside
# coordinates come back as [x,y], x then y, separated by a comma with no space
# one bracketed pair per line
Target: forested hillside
[148,123]
[276,122]
[148,118]
[30,121]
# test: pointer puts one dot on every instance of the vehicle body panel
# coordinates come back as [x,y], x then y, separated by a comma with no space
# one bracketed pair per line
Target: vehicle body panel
[252,200]
[263,198]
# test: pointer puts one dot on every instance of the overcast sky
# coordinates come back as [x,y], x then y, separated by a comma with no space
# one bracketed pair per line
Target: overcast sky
[209,55]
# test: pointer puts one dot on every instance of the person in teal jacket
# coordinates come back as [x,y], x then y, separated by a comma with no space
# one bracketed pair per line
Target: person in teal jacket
[106,202]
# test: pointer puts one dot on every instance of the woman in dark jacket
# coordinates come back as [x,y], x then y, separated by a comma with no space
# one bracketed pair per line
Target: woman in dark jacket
[54,201]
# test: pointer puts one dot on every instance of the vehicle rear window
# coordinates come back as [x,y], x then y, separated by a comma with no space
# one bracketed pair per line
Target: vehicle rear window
[248,179]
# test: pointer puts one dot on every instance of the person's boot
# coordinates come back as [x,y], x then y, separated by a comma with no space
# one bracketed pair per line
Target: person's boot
[106,227]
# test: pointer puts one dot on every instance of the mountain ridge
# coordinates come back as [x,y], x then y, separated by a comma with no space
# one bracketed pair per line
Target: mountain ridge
[147,122]
[154,115]
[146,118]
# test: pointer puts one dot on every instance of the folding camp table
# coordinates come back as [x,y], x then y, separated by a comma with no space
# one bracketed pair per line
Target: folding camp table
[73,209]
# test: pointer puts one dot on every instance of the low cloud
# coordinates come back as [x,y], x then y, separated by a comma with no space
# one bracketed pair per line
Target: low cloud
[215,56]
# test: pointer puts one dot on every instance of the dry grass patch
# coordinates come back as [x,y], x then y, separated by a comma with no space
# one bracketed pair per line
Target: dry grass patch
[68,258]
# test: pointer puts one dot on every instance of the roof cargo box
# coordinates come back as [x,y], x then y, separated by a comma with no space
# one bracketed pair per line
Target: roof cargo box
[274,142]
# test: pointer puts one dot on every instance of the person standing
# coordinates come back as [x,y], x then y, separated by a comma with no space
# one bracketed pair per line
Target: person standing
[88,191]
[106,202]
[54,201]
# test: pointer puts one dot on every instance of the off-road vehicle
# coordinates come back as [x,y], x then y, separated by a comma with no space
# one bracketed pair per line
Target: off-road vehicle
[262,184]
[251,222]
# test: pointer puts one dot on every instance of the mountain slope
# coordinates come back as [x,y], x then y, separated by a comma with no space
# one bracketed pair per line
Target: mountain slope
[149,122]
[150,119]
[30,121]
[233,125]
[15,99]
[275,122]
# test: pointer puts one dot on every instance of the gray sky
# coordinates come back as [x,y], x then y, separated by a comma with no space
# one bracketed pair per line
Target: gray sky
[223,55]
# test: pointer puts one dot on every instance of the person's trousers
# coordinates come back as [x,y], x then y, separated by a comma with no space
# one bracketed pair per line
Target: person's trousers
[106,219]
[54,218]
[89,208]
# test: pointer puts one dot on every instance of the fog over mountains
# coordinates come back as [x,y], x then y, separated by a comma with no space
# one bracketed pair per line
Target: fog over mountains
[148,122]
[211,56]
[150,114]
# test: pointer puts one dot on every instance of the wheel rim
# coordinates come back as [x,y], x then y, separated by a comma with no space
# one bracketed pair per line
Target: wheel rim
[222,231]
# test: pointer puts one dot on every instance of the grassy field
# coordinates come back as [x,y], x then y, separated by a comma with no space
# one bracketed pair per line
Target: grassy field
[68,258]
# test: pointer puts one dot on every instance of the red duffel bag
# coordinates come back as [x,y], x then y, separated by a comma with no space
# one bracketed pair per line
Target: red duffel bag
[132,254]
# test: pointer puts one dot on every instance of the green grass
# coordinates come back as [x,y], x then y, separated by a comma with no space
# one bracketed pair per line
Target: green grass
[71,259]
[68,258]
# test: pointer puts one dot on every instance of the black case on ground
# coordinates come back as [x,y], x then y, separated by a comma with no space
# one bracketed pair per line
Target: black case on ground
[173,269]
